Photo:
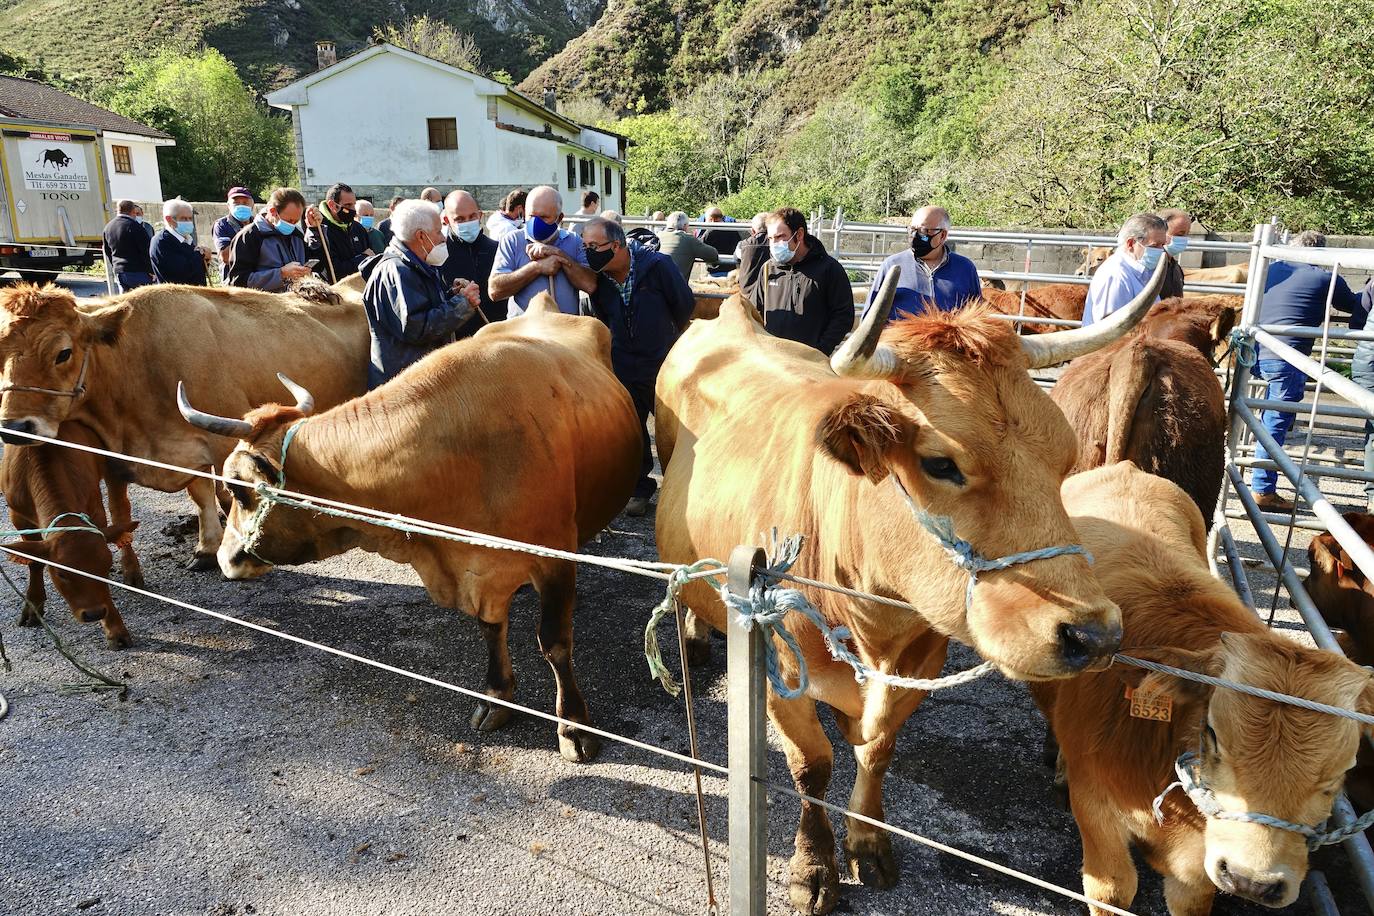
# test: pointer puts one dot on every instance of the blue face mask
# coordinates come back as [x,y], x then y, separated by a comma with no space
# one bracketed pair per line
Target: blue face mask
[781,251]
[366,221]
[242,212]
[1149,258]
[186,227]
[1177,244]
[536,230]
[468,232]
[285,228]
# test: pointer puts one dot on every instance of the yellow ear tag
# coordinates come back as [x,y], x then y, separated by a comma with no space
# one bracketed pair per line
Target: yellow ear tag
[1157,707]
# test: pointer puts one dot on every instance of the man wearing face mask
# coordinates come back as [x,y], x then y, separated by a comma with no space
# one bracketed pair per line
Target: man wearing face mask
[510,218]
[126,248]
[173,253]
[367,218]
[1180,223]
[471,254]
[541,258]
[802,292]
[334,224]
[240,204]
[411,310]
[269,253]
[1140,245]
[645,302]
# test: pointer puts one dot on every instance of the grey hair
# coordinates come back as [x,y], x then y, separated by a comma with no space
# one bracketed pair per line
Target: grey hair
[677,220]
[612,215]
[412,217]
[176,206]
[1140,226]
[1309,238]
[614,231]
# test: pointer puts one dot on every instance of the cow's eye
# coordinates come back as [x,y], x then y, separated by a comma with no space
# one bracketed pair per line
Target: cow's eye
[943,469]
[64,355]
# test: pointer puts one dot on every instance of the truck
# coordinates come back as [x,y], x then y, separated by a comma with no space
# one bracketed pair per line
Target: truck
[54,197]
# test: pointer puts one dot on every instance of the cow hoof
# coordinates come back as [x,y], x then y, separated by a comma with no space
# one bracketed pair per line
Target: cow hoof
[813,888]
[120,640]
[488,717]
[871,861]
[28,620]
[578,746]
[698,652]
[133,576]
[202,562]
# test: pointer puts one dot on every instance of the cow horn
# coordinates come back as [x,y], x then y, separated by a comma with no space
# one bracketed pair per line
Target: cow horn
[305,402]
[220,426]
[860,356]
[1061,346]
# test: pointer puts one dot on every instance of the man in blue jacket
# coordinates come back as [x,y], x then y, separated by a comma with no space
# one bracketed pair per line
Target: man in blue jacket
[410,310]
[928,270]
[471,253]
[642,297]
[126,246]
[173,252]
[1294,294]
[269,253]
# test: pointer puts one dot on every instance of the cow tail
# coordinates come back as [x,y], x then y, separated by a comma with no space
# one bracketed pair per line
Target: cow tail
[1132,371]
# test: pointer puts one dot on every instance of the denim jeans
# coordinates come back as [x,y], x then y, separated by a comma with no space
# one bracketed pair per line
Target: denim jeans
[1362,371]
[1286,383]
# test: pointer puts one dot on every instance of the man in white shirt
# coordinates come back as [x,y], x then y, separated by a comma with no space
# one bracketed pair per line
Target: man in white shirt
[1140,245]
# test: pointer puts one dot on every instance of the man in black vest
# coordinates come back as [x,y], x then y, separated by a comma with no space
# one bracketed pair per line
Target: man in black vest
[333,224]
[471,253]
[126,244]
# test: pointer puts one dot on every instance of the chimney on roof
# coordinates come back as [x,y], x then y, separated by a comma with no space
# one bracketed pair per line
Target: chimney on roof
[550,100]
[325,55]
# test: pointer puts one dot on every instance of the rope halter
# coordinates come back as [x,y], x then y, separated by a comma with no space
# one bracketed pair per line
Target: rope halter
[76,392]
[266,498]
[963,555]
[1188,767]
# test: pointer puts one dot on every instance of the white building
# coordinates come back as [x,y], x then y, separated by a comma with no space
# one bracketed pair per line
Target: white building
[130,147]
[388,122]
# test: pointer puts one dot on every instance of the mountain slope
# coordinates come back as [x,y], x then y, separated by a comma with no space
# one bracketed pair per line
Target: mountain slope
[271,41]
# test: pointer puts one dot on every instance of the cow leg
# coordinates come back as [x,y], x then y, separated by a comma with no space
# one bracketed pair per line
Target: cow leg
[1189,899]
[814,879]
[202,493]
[121,513]
[36,593]
[1109,875]
[116,634]
[557,598]
[698,633]
[1179,858]
[500,675]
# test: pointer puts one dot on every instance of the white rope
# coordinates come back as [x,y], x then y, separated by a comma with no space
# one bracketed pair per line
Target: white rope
[612,736]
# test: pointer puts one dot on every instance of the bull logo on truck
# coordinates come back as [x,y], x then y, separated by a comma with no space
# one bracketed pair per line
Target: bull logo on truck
[56,157]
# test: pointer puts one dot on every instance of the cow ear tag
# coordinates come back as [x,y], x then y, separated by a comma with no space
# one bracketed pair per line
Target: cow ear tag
[1157,707]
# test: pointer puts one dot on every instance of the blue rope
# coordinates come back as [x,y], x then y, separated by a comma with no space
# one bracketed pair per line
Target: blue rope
[250,542]
[1189,770]
[53,528]
[963,554]
[1243,345]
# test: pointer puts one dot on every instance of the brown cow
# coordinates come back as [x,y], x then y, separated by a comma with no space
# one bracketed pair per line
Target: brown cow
[1153,398]
[113,366]
[756,432]
[1256,755]
[48,481]
[1053,300]
[520,431]
[1345,597]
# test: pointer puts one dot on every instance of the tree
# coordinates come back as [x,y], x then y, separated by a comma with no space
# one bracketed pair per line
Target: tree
[740,118]
[224,136]
[665,170]
[435,39]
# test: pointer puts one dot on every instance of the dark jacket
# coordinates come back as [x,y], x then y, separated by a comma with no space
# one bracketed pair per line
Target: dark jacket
[1295,294]
[659,309]
[384,227]
[810,301]
[126,244]
[409,311]
[347,248]
[175,261]
[472,261]
[258,254]
[223,232]
[753,254]
[1173,280]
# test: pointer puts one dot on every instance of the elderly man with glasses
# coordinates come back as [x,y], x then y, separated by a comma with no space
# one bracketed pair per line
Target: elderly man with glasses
[928,270]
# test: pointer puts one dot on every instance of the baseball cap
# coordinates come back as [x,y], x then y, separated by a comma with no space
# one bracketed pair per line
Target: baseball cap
[238,192]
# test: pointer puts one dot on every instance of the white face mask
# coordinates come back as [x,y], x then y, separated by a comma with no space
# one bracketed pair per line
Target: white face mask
[437,255]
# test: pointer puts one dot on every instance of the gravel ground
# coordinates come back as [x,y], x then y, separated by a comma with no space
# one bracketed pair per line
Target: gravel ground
[244,774]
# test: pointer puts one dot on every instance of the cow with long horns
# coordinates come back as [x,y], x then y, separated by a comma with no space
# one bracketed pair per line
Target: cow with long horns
[936,416]
[521,431]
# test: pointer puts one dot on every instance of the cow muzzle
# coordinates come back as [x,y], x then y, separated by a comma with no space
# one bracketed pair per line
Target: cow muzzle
[1083,644]
[1270,887]
[37,426]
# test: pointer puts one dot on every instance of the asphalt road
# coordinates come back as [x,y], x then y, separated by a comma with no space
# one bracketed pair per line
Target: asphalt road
[244,774]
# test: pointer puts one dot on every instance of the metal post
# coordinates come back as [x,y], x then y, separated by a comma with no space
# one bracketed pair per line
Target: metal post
[748,744]
[836,223]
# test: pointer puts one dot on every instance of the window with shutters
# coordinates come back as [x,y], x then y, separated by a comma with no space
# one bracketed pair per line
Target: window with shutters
[123,161]
[606,181]
[572,172]
[443,133]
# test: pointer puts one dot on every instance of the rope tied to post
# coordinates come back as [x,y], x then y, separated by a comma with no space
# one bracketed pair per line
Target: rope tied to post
[1242,343]
[1188,767]
[965,556]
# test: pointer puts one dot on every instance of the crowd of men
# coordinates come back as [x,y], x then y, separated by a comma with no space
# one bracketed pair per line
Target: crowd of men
[438,267]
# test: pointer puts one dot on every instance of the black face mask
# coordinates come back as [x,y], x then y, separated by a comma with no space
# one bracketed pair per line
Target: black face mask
[346,216]
[599,260]
[920,245]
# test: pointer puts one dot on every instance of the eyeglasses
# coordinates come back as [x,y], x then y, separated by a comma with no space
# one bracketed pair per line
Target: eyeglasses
[597,246]
[924,232]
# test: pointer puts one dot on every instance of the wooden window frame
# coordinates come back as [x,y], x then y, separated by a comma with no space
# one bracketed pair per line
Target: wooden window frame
[119,151]
[572,172]
[446,134]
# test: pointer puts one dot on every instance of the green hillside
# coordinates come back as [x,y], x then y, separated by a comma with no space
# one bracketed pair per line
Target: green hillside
[84,41]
